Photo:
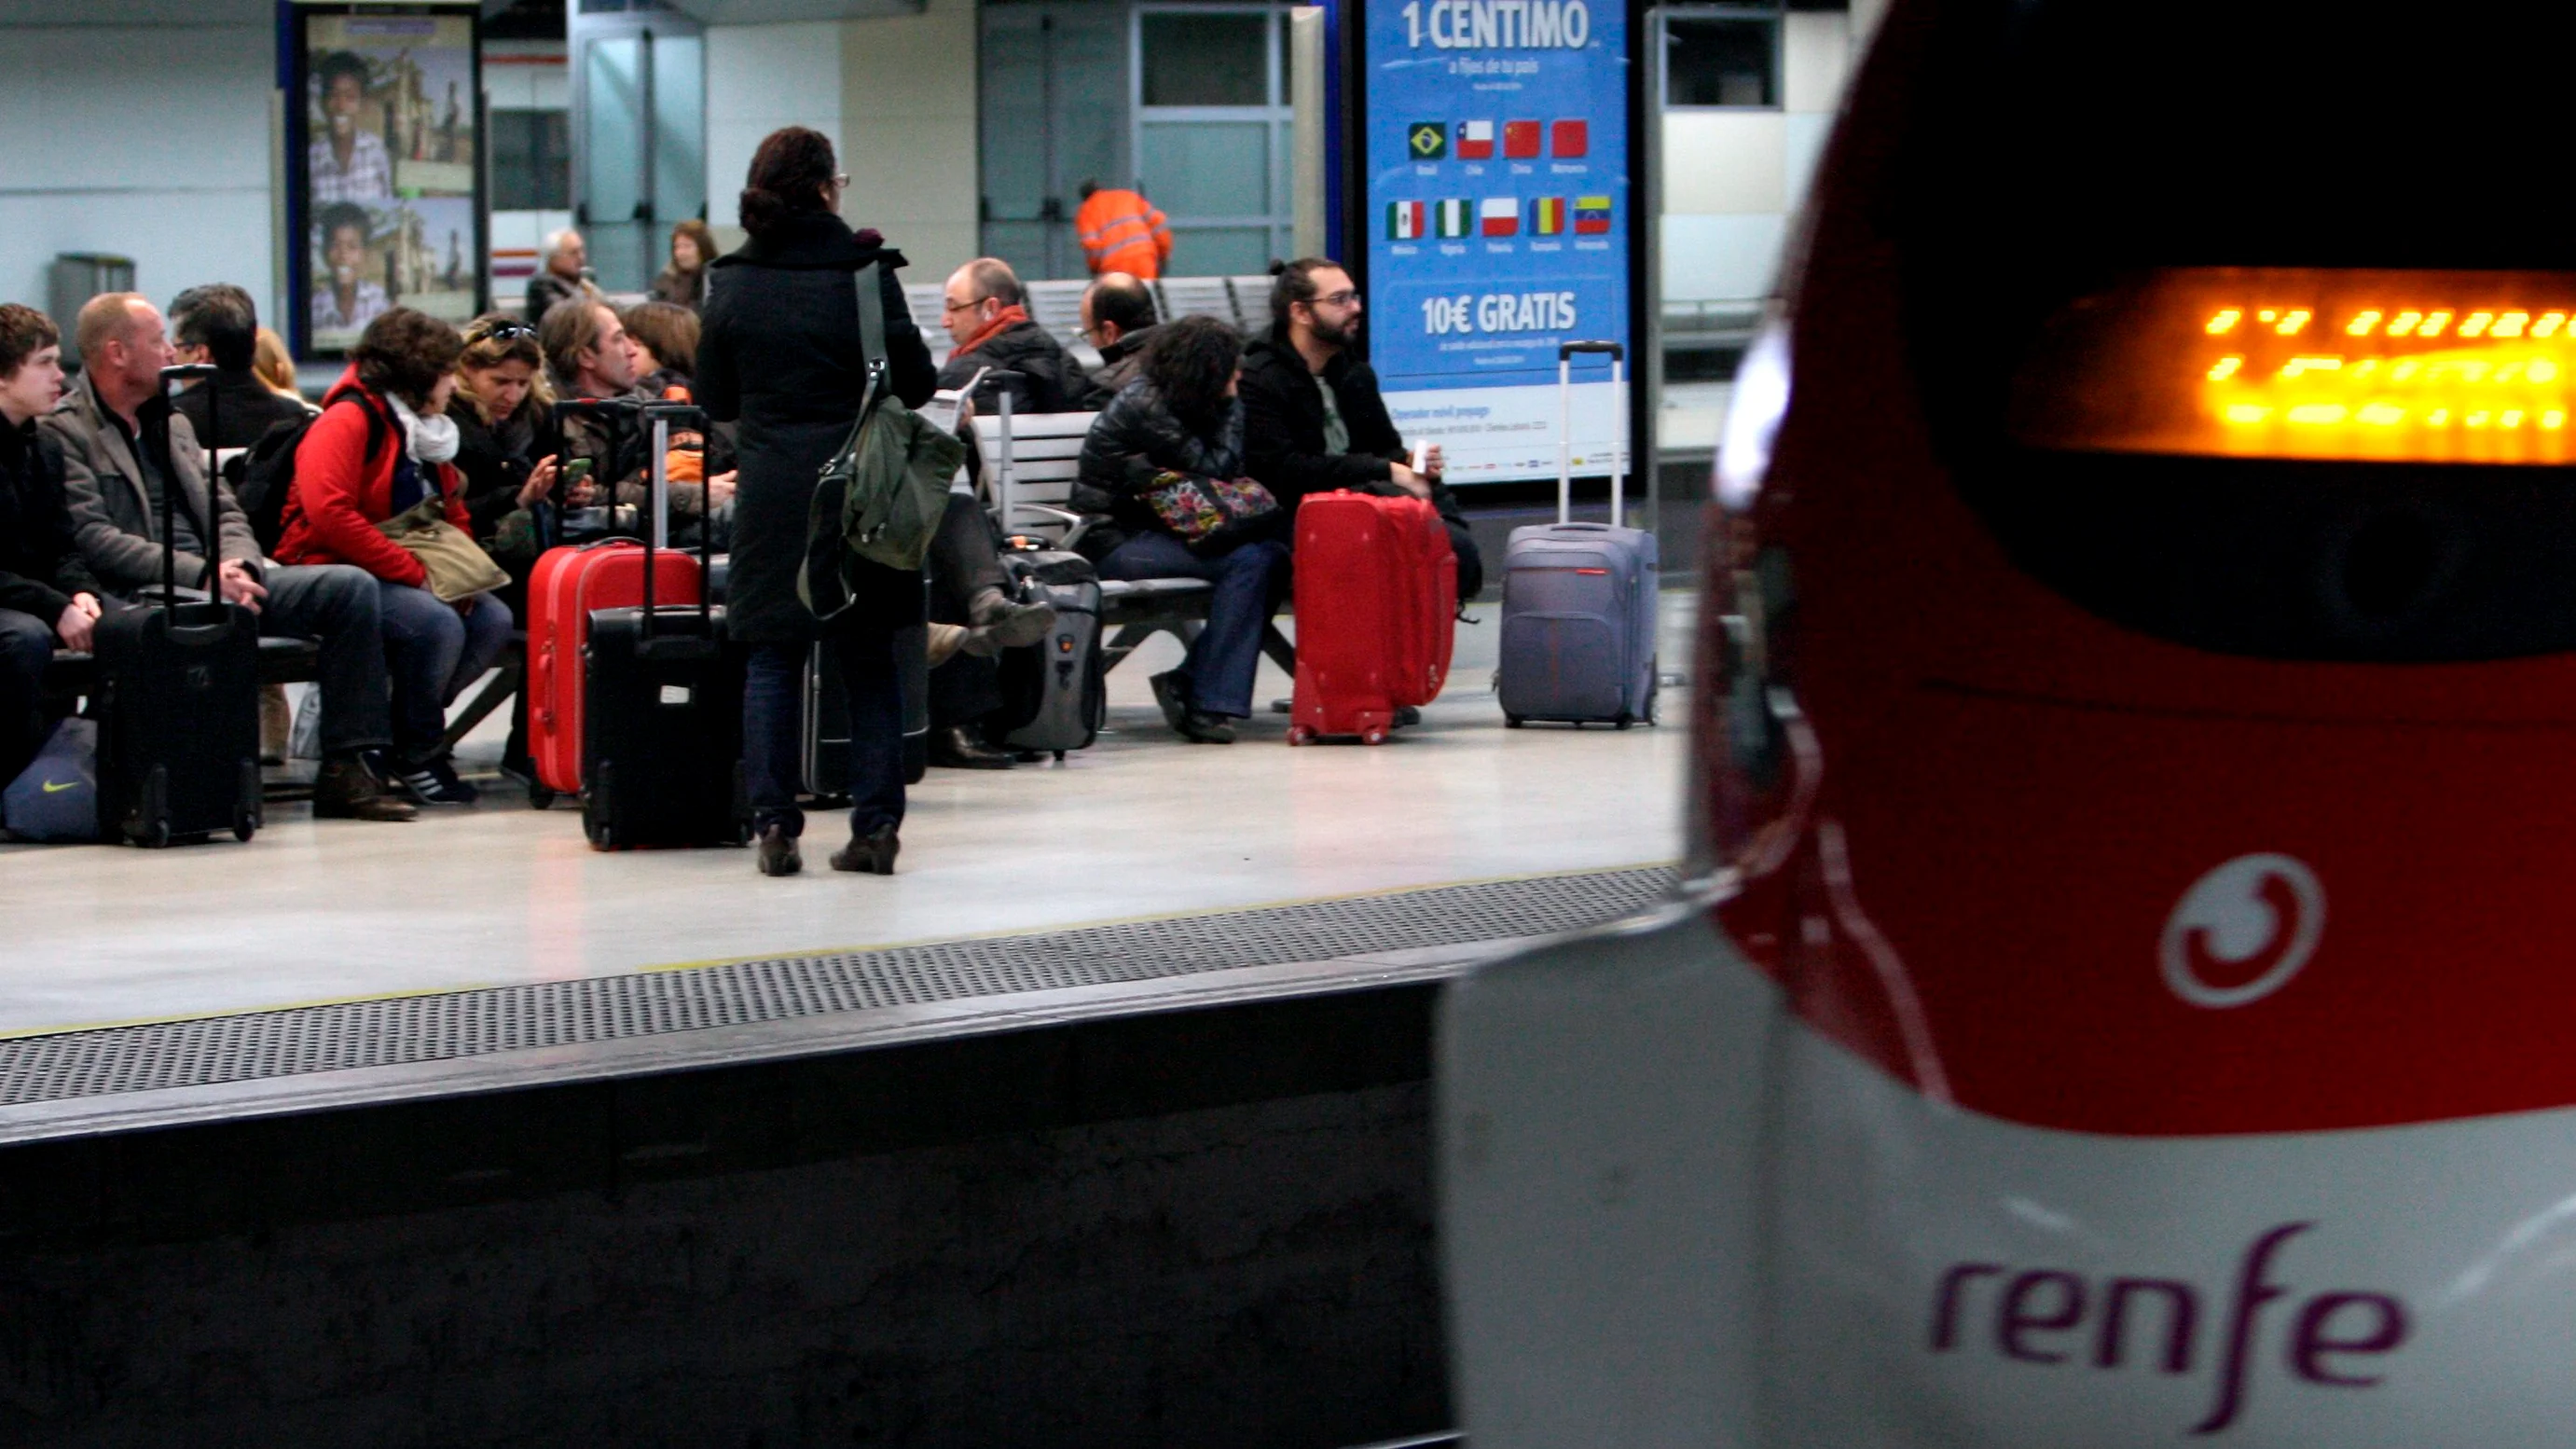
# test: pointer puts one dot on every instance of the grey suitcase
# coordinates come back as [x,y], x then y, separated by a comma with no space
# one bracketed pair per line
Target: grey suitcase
[1578,638]
[1055,690]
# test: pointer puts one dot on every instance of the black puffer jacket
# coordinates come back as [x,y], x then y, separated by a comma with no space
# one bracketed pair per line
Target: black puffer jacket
[40,566]
[496,458]
[1284,423]
[781,354]
[1050,380]
[1134,438]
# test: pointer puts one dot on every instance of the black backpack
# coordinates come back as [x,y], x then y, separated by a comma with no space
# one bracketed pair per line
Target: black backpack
[268,469]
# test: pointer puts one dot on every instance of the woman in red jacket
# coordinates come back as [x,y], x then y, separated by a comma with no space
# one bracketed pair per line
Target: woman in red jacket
[383,445]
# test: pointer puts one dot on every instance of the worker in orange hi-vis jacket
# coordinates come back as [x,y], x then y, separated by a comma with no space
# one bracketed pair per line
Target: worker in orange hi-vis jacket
[1122,232]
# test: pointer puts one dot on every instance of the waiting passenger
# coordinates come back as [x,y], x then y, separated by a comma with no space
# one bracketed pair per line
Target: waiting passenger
[219,324]
[401,372]
[1314,420]
[782,354]
[564,276]
[1182,420]
[507,449]
[662,345]
[587,360]
[275,365]
[122,445]
[684,281]
[46,591]
[1118,318]
[350,299]
[986,313]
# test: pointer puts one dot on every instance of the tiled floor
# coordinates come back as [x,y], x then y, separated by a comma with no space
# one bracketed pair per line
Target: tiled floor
[1138,825]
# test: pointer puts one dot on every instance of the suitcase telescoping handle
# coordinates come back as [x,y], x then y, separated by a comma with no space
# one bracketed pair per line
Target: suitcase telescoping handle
[172,378]
[1002,378]
[658,417]
[1565,352]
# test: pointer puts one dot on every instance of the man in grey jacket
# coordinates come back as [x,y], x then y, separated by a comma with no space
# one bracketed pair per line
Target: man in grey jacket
[123,444]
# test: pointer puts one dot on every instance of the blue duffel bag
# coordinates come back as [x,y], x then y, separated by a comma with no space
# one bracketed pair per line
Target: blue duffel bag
[56,798]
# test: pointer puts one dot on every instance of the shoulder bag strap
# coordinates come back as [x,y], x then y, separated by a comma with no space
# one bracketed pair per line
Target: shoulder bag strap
[872,325]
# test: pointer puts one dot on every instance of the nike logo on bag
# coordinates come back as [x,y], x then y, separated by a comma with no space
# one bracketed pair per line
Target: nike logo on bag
[53,789]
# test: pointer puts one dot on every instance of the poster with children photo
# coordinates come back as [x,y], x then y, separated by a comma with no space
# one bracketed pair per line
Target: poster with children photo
[417,254]
[390,107]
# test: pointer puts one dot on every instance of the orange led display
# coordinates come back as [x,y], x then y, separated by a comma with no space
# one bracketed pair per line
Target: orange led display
[2377,366]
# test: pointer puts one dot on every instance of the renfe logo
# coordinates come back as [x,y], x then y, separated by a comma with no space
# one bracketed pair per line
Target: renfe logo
[2242,931]
[2038,1317]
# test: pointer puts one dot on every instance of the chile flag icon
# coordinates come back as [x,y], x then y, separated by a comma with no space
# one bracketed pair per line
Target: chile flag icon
[1475,140]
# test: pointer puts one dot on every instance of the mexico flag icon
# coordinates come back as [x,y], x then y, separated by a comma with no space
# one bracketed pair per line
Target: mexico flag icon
[1475,140]
[1404,220]
[1498,216]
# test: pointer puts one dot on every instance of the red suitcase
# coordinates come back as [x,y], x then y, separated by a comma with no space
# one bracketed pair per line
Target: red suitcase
[1377,605]
[569,584]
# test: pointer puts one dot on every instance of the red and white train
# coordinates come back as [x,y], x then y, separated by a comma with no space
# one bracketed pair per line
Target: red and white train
[2127,993]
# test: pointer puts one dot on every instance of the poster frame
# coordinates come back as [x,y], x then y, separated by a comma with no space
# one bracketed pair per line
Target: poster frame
[1352,216]
[294,57]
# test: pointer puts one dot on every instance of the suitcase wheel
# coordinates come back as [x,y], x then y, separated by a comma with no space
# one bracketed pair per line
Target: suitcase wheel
[244,827]
[1059,757]
[1300,735]
[154,836]
[539,797]
[1374,737]
[1623,721]
[1513,721]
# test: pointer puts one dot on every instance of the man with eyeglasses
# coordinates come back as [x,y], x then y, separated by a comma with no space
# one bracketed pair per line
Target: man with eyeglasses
[987,317]
[219,324]
[1313,419]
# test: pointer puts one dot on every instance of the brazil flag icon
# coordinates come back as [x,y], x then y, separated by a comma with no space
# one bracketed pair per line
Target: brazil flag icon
[1427,140]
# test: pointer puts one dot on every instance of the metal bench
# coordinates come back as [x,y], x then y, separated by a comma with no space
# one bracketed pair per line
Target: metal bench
[1252,301]
[1195,297]
[1057,307]
[1031,476]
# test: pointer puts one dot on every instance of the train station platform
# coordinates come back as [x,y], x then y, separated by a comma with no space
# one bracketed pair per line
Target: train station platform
[330,962]
[1105,1123]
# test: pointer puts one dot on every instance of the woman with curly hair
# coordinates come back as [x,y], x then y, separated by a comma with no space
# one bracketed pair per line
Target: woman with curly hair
[384,445]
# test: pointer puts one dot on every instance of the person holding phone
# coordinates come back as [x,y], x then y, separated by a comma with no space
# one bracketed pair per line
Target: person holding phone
[516,482]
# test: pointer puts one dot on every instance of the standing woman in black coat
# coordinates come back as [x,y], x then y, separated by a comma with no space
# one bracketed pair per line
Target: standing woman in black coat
[781,355]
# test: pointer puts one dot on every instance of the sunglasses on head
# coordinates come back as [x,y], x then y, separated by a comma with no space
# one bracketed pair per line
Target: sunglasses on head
[504,332]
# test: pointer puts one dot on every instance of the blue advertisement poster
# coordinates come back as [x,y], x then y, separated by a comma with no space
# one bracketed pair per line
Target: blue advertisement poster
[1498,220]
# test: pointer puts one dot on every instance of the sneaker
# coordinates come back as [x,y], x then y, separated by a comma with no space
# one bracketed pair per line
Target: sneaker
[436,783]
[347,790]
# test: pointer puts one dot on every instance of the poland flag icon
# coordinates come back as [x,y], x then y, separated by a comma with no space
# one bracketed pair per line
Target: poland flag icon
[1498,216]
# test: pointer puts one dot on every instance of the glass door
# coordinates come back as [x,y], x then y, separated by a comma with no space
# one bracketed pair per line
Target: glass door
[639,124]
[1054,82]
[1213,124]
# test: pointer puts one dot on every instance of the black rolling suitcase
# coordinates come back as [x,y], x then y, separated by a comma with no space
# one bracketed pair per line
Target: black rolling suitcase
[178,699]
[827,715]
[662,736]
[1055,694]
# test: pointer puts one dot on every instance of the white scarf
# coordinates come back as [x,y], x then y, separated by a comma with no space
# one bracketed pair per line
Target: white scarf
[431,439]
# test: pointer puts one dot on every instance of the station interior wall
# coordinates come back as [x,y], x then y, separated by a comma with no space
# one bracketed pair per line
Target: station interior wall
[140,129]
[145,128]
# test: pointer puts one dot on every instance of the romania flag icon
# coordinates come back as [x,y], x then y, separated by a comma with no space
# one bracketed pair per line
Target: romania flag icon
[1547,216]
[1591,216]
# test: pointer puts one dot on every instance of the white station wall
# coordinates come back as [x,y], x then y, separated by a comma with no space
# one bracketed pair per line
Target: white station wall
[150,140]
[1733,179]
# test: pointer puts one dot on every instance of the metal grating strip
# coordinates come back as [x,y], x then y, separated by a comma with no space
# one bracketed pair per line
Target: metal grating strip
[257,1045]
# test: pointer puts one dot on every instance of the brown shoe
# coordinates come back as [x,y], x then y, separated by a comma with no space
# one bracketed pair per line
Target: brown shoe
[347,790]
[871,854]
[945,640]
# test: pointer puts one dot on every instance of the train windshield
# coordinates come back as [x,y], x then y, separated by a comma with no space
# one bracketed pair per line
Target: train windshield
[2309,363]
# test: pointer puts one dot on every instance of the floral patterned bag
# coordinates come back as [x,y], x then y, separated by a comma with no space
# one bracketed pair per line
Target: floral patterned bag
[1211,513]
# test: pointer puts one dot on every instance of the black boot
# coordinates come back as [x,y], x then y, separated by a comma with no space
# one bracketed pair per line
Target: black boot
[955,749]
[778,852]
[869,854]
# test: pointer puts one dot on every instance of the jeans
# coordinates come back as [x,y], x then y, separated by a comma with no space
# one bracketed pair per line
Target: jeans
[1251,582]
[773,728]
[26,646]
[433,652]
[340,606]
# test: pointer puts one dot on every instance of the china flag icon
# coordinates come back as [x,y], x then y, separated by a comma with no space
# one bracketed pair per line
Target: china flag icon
[1475,140]
[1568,140]
[1520,139]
